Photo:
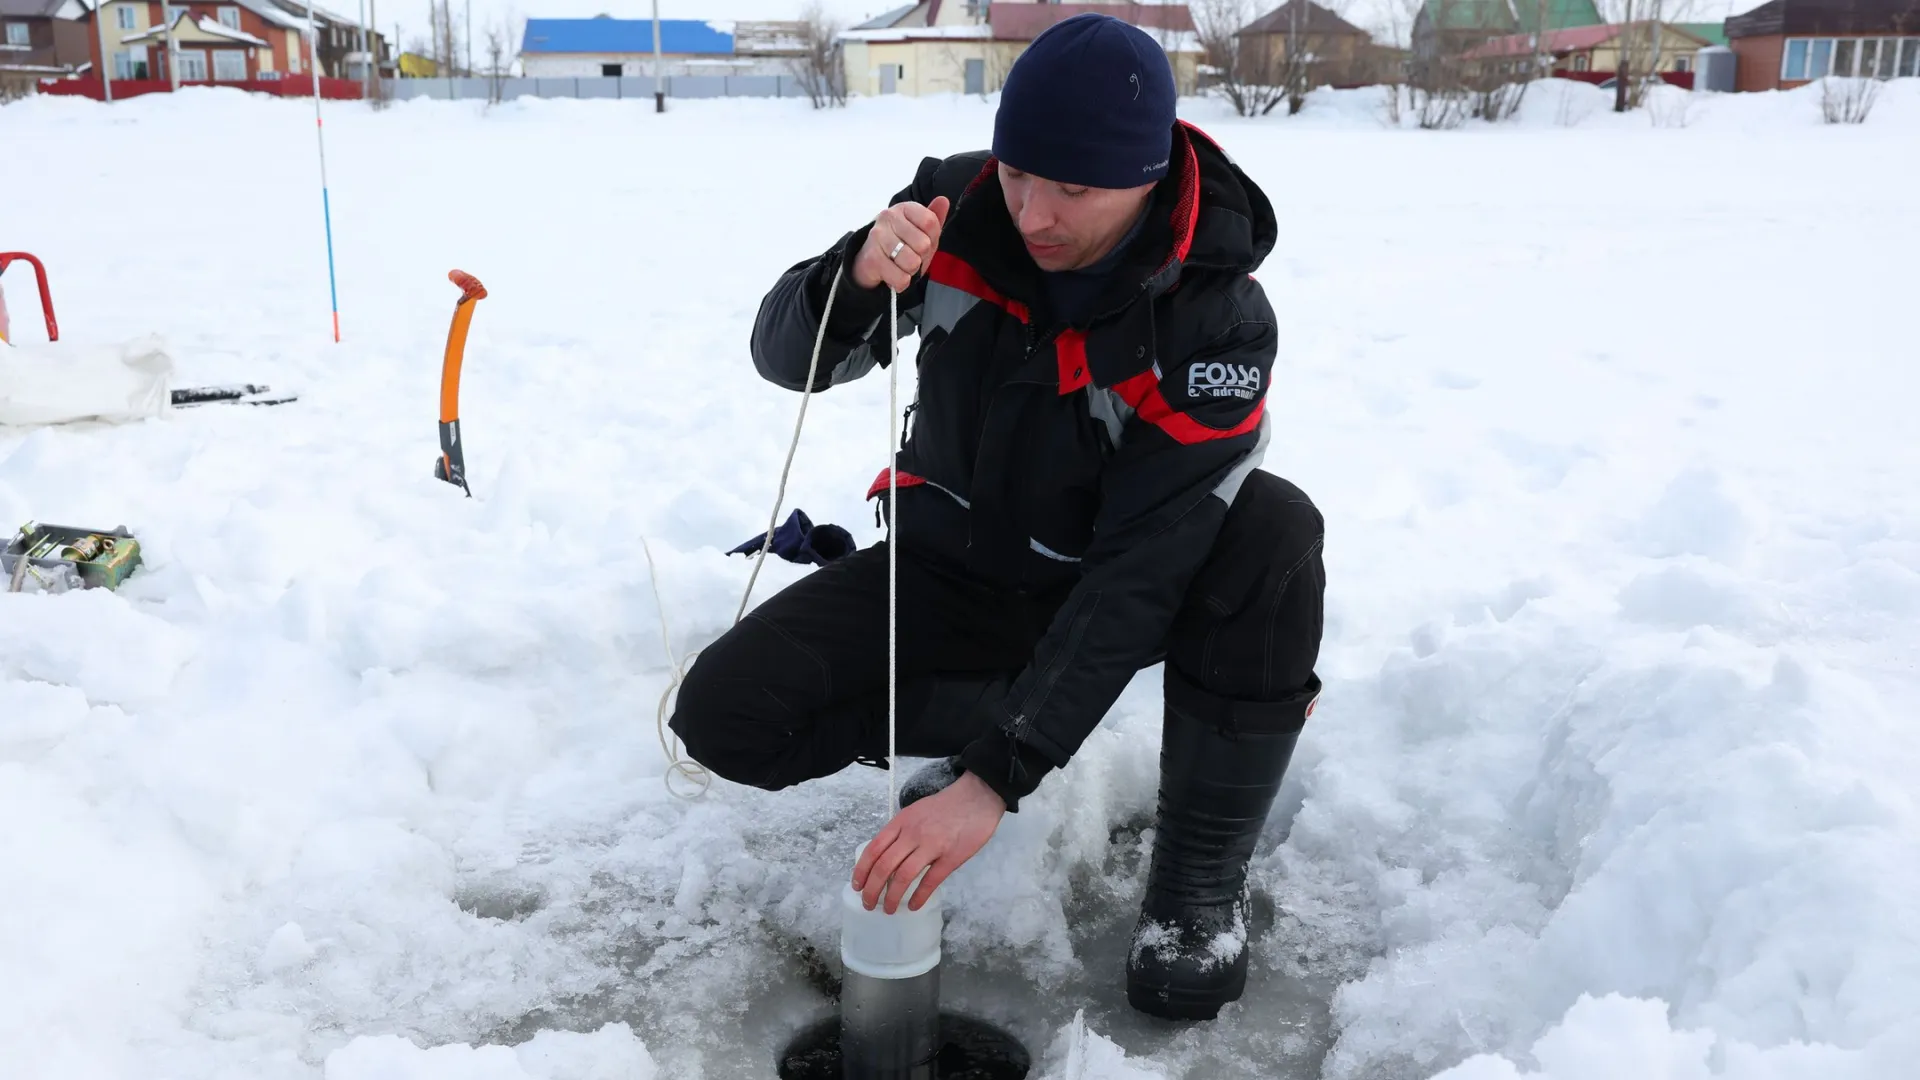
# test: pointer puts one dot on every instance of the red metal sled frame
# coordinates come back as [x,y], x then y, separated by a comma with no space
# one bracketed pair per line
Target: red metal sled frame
[47,294]
[7,258]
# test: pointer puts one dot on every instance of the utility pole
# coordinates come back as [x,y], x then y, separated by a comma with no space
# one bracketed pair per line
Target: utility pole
[106,58]
[1625,65]
[373,42]
[173,54]
[659,88]
[469,71]
[366,55]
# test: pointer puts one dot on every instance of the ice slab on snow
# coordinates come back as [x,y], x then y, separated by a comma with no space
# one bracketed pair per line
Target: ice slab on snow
[612,1053]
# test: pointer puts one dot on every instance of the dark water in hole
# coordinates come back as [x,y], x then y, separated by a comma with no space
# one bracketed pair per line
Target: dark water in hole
[969,1050]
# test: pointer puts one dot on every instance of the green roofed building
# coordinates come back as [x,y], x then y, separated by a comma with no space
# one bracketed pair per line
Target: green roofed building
[1451,27]
[1713,33]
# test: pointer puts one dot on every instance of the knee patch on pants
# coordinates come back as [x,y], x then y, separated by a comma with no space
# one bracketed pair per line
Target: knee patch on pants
[1287,716]
[1251,624]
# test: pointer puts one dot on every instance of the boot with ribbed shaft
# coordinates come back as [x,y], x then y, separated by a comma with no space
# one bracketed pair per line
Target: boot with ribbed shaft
[1221,764]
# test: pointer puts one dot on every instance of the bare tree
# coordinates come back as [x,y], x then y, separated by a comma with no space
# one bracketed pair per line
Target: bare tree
[447,30]
[1454,75]
[1243,67]
[1305,51]
[1645,47]
[495,44]
[502,51]
[1848,99]
[820,66]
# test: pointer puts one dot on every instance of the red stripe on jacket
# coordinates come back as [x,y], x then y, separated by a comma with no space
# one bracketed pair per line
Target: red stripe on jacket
[952,271]
[1143,393]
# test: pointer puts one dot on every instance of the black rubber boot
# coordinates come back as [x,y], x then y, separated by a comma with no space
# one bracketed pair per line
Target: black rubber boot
[1221,764]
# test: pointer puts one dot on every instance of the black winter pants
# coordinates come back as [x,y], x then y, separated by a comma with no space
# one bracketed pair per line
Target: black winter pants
[798,689]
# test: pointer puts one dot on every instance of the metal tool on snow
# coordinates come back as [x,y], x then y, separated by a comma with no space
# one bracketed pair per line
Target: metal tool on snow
[60,558]
[452,464]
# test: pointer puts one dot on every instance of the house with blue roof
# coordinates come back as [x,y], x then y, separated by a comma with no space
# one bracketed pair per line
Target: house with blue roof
[605,46]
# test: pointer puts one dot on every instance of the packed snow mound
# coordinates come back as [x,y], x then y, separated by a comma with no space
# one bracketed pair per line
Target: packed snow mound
[1614,1036]
[357,777]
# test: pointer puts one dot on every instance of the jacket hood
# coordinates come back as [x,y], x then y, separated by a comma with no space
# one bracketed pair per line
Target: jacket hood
[1234,228]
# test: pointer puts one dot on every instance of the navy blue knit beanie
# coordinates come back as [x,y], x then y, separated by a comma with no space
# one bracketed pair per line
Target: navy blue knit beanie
[1090,102]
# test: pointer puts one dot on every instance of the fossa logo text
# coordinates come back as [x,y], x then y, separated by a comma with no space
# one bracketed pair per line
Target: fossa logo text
[1223,380]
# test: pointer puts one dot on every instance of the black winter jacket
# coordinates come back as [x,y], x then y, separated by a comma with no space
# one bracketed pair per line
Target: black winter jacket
[1093,461]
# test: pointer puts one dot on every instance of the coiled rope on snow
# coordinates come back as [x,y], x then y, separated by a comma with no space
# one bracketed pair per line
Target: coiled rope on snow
[678,765]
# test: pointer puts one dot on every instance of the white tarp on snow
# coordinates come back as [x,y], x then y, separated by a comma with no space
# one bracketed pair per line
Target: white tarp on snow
[63,383]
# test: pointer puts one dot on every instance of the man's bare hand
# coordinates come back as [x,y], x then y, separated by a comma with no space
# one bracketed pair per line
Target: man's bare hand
[915,229]
[939,833]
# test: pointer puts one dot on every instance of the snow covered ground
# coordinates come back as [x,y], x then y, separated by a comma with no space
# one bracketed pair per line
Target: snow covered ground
[1612,421]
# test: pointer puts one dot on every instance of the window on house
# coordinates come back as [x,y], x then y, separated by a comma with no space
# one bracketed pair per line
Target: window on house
[1869,55]
[230,17]
[1822,60]
[1843,57]
[1683,63]
[1795,66]
[1910,59]
[193,65]
[612,71]
[20,35]
[124,16]
[229,65]
[1889,57]
[123,65]
[1580,62]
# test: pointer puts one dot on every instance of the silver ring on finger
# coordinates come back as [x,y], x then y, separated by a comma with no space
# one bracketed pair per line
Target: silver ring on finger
[897,248]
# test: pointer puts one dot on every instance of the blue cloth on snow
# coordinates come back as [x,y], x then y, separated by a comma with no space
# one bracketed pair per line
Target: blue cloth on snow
[799,540]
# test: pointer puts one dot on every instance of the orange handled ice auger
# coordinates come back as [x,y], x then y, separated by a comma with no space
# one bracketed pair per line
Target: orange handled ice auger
[46,297]
[452,466]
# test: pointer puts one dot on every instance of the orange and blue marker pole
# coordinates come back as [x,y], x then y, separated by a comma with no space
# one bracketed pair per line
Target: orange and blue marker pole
[326,202]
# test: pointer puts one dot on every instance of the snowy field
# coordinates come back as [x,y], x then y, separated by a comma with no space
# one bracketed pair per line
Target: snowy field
[1615,773]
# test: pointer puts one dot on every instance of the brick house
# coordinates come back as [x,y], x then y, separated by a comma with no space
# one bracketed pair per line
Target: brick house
[1334,51]
[1787,43]
[228,41]
[40,38]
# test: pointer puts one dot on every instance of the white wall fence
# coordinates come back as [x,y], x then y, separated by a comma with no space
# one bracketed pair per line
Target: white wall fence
[601,87]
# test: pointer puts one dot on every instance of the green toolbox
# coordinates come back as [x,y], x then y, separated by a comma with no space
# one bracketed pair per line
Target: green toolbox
[57,558]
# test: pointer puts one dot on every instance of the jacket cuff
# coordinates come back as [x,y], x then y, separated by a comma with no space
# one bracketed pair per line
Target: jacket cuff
[1013,771]
[857,312]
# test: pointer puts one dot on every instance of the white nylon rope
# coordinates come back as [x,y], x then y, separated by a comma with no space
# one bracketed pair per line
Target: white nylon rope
[692,771]
[893,544]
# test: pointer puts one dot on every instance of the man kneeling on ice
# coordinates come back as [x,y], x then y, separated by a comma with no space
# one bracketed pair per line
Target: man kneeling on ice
[1079,499]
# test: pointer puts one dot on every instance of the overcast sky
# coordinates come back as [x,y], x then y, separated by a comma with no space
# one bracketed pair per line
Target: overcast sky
[412,14]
